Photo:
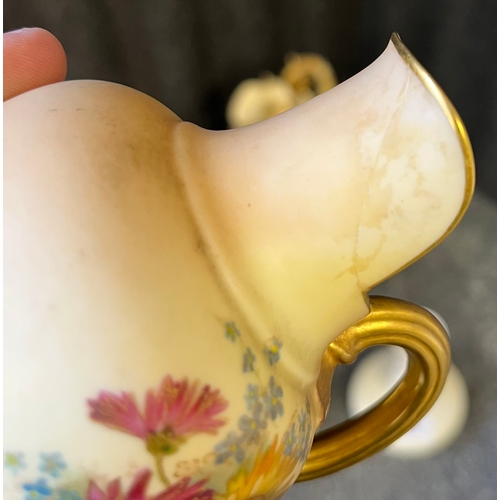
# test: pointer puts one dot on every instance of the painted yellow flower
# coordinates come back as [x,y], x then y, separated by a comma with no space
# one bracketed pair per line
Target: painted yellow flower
[272,473]
[14,462]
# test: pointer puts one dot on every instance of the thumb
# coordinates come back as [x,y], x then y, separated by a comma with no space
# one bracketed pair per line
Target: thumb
[32,57]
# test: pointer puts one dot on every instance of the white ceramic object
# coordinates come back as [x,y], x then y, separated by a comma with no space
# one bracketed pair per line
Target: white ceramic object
[257,99]
[378,372]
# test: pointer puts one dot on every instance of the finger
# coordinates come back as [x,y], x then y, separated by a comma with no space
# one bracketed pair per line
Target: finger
[32,57]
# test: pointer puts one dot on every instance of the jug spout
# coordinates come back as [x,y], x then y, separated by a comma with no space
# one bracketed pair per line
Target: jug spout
[303,213]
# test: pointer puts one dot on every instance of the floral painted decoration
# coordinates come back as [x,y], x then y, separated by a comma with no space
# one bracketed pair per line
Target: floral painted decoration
[14,462]
[290,440]
[248,462]
[181,490]
[252,395]
[248,360]
[232,446]
[272,351]
[232,332]
[52,464]
[39,489]
[272,400]
[263,404]
[177,410]
[251,425]
[270,471]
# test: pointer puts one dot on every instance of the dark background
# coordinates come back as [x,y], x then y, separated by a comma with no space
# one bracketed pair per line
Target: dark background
[190,54]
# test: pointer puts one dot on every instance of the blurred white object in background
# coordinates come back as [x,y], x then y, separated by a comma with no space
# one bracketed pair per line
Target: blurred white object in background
[309,75]
[303,77]
[375,375]
[257,99]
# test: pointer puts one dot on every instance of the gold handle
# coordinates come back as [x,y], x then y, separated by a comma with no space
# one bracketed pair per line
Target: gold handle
[394,322]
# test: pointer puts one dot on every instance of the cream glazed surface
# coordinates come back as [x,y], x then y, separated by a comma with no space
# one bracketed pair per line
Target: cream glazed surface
[170,291]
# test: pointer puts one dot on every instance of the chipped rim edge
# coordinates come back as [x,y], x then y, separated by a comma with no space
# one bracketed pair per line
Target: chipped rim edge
[458,127]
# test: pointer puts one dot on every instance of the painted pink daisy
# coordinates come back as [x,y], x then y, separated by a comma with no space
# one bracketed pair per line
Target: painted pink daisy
[137,490]
[171,414]
[181,490]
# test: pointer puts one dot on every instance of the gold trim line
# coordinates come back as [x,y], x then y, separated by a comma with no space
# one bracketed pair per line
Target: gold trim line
[458,127]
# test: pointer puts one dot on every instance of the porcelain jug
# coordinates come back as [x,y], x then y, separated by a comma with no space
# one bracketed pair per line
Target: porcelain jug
[176,299]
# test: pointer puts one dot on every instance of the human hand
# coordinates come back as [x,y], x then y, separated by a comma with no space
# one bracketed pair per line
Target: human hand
[32,58]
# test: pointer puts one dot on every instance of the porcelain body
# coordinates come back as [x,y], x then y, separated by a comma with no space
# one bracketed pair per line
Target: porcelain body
[169,291]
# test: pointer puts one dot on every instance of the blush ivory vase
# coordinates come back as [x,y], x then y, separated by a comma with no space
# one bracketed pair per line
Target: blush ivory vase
[176,299]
